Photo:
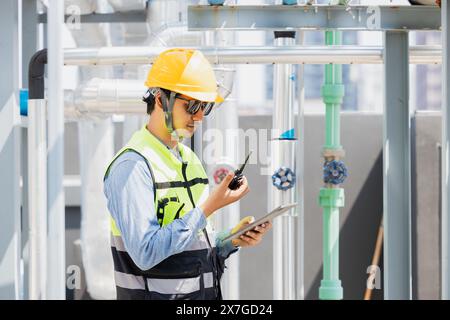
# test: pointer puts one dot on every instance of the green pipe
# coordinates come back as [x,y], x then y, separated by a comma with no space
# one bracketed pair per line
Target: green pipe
[330,197]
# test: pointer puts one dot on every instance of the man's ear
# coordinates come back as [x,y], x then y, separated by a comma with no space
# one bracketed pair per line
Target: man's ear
[158,102]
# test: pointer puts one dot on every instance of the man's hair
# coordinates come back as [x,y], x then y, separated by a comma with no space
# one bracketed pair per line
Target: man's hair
[150,99]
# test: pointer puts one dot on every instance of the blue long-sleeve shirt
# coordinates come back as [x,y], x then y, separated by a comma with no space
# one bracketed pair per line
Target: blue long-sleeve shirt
[129,192]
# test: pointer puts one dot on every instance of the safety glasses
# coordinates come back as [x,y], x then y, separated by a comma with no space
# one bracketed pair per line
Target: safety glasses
[195,105]
[168,100]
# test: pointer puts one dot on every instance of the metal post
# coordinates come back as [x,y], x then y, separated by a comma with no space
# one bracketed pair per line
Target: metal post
[29,46]
[56,216]
[9,152]
[283,154]
[29,35]
[445,269]
[331,197]
[397,168]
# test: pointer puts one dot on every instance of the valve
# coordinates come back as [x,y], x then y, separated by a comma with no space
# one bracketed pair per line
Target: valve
[220,174]
[283,178]
[334,172]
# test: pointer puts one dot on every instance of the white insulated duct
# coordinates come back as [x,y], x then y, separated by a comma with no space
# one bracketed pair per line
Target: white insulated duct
[98,98]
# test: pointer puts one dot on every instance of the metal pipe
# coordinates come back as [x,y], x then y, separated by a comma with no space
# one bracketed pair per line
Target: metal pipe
[331,196]
[225,119]
[299,166]
[37,176]
[56,276]
[252,55]
[37,198]
[36,69]
[445,225]
[282,152]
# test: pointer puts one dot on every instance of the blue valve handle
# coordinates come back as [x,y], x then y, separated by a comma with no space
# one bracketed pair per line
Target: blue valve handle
[334,172]
[283,178]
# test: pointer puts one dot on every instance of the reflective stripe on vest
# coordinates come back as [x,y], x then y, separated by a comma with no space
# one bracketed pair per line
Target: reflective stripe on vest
[179,186]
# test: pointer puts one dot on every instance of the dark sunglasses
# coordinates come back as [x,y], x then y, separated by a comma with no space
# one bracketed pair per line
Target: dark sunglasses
[195,105]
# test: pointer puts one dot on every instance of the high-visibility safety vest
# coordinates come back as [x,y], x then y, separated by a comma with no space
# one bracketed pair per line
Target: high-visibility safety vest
[179,186]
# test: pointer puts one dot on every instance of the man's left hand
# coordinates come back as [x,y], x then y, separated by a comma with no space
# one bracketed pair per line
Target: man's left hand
[252,237]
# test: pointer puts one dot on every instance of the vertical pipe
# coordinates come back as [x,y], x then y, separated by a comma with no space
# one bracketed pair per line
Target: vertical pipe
[37,198]
[56,216]
[397,168]
[331,197]
[299,165]
[445,267]
[284,282]
[9,151]
[30,37]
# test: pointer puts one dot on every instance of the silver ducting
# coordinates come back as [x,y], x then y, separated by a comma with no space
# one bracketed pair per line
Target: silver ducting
[98,98]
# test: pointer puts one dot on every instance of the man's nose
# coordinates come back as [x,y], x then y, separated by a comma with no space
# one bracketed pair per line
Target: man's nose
[198,116]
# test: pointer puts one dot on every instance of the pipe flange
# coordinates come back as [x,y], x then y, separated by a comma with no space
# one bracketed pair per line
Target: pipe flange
[283,178]
[334,172]
[333,154]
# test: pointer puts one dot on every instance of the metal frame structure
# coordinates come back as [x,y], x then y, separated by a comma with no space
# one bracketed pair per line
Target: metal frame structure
[116,17]
[317,17]
[395,22]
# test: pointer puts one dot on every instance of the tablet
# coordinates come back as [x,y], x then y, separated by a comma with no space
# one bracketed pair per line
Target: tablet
[269,217]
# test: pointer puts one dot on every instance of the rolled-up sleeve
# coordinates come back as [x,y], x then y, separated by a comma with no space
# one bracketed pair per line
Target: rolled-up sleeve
[130,200]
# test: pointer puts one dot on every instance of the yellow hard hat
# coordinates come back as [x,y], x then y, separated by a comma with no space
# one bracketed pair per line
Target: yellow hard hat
[185,71]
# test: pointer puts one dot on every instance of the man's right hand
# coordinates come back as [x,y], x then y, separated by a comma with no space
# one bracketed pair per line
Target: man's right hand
[223,196]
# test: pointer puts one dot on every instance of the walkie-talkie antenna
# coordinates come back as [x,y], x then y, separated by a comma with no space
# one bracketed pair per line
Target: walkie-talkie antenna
[245,162]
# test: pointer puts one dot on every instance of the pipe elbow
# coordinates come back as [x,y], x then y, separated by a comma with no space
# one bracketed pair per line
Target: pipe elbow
[36,69]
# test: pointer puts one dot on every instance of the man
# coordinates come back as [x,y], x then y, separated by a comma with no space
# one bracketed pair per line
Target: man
[157,192]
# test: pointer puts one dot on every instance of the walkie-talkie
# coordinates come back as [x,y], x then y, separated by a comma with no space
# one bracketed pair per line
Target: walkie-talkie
[237,179]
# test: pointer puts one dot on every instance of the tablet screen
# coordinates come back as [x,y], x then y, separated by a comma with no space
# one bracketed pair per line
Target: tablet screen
[269,217]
